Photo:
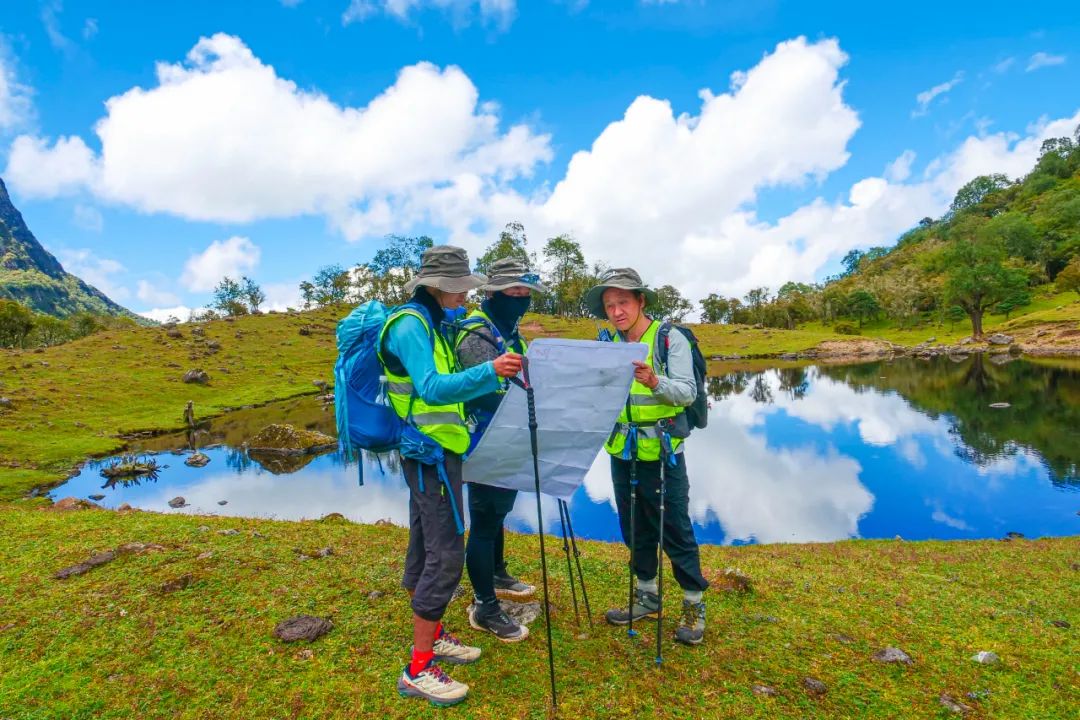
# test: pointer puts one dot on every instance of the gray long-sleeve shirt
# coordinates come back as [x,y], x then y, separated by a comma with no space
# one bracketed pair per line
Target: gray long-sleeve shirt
[677,387]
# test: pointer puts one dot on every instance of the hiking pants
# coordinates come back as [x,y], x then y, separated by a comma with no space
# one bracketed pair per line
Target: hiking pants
[679,541]
[436,551]
[488,508]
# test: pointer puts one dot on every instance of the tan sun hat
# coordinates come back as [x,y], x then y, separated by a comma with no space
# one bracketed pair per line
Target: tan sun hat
[447,268]
[512,272]
[621,278]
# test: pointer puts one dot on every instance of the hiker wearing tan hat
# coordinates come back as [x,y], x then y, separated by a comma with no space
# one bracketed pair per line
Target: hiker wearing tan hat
[423,387]
[648,467]
[487,332]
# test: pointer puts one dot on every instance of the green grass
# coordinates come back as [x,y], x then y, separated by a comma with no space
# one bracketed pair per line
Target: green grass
[111,645]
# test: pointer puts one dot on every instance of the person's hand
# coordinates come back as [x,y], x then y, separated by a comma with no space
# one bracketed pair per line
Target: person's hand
[508,365]
[645,375]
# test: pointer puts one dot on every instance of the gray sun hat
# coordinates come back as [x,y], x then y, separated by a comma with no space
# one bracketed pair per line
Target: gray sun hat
[512,272]
[621,278]
[447,268]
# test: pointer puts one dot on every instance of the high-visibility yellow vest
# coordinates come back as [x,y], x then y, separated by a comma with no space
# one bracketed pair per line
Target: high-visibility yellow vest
[519,346]
[445,424]
[645,410]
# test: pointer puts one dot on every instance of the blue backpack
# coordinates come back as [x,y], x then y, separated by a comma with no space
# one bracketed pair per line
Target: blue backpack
[365,419]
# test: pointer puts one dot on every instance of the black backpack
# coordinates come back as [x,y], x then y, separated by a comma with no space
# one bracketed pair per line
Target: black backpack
[697,413]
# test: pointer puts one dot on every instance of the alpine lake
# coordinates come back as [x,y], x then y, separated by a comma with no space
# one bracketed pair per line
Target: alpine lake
[941,448]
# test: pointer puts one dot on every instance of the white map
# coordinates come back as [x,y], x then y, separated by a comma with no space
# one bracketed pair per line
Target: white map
[580,386]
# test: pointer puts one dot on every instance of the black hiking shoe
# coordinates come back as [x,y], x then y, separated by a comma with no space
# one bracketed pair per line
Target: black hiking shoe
[691,630]
[646,606]
[508,586]
[492,619]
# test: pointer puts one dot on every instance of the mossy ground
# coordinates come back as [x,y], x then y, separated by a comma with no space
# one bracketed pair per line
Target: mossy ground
[111,644]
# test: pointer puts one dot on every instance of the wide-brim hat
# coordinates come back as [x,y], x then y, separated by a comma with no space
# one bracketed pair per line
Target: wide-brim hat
[512,272]
[447,268]
[621,278]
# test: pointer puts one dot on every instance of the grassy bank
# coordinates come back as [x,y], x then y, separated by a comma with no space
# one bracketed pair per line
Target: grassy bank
[113,644]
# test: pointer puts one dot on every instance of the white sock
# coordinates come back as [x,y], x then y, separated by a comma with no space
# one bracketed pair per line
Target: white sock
[647,585]
[693,596]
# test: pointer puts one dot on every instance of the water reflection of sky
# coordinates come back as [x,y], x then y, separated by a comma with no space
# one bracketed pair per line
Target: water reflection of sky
[825,461]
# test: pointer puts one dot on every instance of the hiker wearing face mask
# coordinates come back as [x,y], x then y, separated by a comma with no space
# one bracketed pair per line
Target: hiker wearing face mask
[486,333]
[648,466]
[423,387]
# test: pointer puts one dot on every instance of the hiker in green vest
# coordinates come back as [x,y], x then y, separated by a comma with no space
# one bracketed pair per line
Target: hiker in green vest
[423,388]
[649,432]
[487,332]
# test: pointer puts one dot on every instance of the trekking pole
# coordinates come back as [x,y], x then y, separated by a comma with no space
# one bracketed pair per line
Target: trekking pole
[527,386]
[665,442]
[631,433]
[577,561]
[569,565]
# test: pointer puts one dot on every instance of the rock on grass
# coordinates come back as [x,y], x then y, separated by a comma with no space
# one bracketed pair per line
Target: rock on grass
[814,686]
[892,655]
[302,627]
[95,560]
[734,580]
[985,657]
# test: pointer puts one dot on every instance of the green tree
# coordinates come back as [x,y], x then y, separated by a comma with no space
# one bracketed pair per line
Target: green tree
[383,278]
[954,314]
[863,305]
[1069,278]
[252,294]
[715,309]
[976,277]
[975,191]
[16,322]
[330,286]
[566,272]
[49,331]
[670,304]
[851,262]
[512,243]
[1017,299]
[228,298]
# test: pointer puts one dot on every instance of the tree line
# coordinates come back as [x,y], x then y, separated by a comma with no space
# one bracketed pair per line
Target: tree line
[21,327]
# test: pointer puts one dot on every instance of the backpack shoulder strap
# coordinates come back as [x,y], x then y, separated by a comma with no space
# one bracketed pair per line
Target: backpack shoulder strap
[663,344]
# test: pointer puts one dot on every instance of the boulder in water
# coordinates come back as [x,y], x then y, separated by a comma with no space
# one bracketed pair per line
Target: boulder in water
[289,440]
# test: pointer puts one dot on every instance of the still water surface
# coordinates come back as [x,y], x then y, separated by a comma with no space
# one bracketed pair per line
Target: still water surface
[875,450]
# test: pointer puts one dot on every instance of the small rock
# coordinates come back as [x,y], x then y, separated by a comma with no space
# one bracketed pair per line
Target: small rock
[196,376]
[302,627]
[222,502]
[179,583]
[178,502]
[95,560]
[523,613]
[734,580]
[72,503]
[985,657]
[842,638]
[202,528]
[952,704]
[230,531]
[933,339]
[96,497]
[205,556]
[966,341]
[325,552]
[123,507]
[332,517]
[977,694]
[1061,624]
[758,617]
[1000,339]
[257,534]
[197,459]
[174,333]
[138,548]
[305,330]
[999,405]
[305,654]
[763,690]
[892,655]
[213,346]
[321,384]
[814,686]
[375,594]
[5,402]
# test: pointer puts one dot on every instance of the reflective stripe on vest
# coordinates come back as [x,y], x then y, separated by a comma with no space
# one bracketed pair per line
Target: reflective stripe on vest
[445,424]
[645,410]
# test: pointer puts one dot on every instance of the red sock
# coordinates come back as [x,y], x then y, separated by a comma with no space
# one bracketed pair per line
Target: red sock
[420,660]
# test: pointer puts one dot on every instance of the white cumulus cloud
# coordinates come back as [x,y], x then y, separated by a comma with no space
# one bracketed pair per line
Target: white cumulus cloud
[97,271]
[152,294]
[40,170]
[223,258]
[1041,60]
[180,312]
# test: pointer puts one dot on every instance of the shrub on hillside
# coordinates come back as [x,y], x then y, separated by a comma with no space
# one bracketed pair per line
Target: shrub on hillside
[846,328]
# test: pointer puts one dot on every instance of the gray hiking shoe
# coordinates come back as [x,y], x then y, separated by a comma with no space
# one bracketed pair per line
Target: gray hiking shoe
[646,605]
[432,684]
[494,620]
[691,630]
[508,586]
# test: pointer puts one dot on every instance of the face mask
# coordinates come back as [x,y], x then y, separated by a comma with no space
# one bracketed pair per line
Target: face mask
[509,308]
[452,315]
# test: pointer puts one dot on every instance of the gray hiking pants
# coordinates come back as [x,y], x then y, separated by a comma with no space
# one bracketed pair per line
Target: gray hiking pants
[436,553]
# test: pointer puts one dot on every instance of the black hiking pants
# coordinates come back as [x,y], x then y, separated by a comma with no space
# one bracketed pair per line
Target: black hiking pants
[680,545]
[488,508]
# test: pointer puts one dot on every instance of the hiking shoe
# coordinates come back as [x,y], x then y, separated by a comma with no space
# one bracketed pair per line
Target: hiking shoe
[496,621]
[449,649]
[432,684]
[691,630]
[646,605]
[508,586]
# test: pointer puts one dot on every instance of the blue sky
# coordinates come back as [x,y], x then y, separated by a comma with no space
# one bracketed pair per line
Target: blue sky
[272,138]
